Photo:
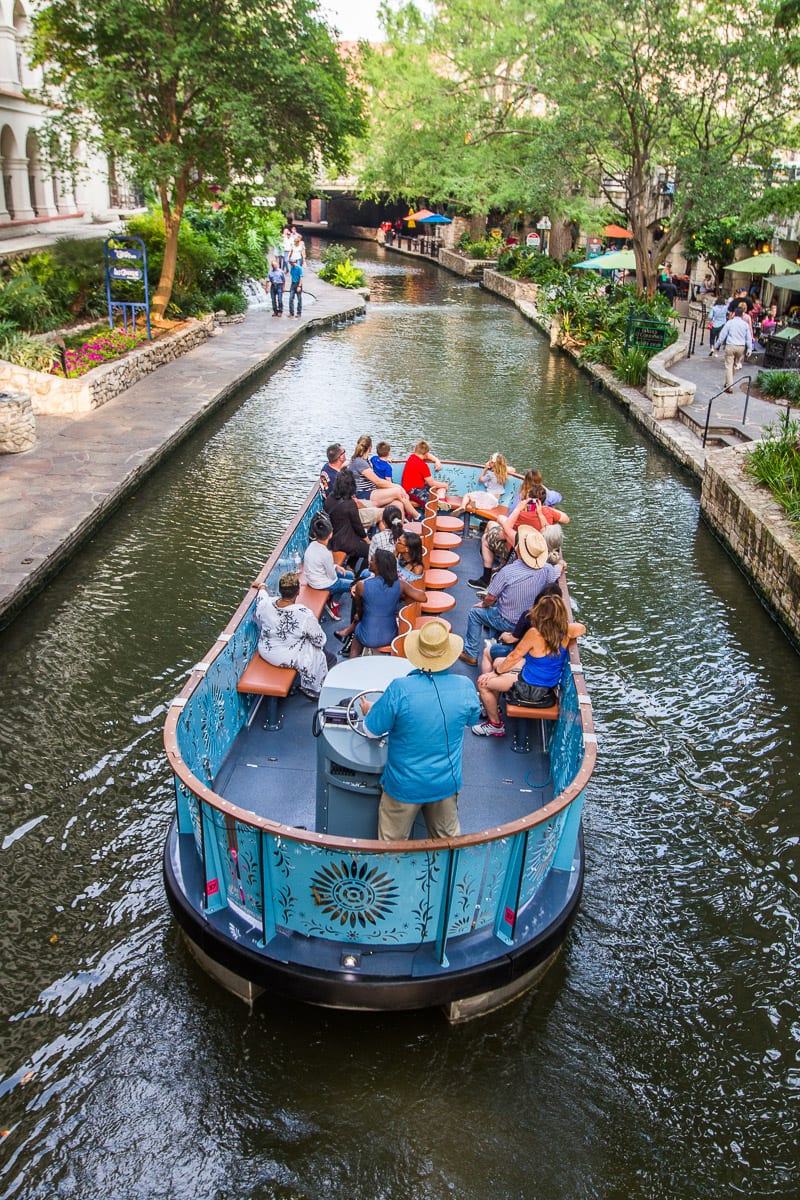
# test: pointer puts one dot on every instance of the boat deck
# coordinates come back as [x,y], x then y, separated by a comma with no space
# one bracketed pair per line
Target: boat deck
[273,773]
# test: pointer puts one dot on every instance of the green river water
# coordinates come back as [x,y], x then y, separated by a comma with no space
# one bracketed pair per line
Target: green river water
[660,1056]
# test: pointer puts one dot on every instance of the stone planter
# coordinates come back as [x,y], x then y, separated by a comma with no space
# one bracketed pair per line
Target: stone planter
[55,396]
[470,268]
[17,423]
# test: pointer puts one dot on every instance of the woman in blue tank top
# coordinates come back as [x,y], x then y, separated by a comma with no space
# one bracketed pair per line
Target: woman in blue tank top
[375,604]
[541,653]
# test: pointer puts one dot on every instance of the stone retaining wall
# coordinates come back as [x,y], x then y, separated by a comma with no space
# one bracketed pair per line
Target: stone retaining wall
[470,268]
[53,395]
[747,520]
[17,423]
[667,391]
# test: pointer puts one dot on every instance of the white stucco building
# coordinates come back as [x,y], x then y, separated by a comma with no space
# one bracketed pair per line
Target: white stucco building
[35,198]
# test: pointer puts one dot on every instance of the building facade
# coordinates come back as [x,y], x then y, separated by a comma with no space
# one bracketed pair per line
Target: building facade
[35,197]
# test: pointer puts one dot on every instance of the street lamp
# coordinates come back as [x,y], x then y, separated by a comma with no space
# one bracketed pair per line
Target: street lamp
[544,228]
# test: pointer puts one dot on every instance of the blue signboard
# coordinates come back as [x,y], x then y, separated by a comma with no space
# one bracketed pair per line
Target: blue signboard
[126,262]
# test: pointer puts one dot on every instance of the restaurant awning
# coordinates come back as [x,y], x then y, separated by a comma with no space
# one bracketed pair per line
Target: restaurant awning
[614,260]
[764,264]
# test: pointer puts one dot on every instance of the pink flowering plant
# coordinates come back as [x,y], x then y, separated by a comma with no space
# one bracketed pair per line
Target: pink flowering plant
[99,350]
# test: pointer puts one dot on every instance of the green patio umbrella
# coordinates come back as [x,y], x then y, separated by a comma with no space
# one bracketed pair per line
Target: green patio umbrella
[763,264]
[615,260]
[790,282]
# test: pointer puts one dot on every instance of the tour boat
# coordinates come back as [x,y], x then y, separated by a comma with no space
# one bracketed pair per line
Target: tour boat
[272,865]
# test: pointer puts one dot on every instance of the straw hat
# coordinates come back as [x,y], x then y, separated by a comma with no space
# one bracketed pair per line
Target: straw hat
[433,648]
[531,546]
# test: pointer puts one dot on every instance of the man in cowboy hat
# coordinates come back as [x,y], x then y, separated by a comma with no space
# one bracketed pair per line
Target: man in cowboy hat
[512,591]
[425,715]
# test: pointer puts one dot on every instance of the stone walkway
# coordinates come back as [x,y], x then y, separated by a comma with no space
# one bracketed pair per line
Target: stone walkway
[83,466]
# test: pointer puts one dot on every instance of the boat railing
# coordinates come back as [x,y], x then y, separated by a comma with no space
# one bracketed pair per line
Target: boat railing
[284,879]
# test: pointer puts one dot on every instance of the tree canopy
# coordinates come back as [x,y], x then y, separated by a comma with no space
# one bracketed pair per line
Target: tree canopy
[193,93]
[663,111]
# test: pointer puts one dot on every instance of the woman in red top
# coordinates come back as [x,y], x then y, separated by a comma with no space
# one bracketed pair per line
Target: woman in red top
[532,511]
[417,477]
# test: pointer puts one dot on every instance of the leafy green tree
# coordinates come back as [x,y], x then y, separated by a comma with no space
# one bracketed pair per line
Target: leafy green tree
[717,240]
[667,101]
[193,93]
[457,116]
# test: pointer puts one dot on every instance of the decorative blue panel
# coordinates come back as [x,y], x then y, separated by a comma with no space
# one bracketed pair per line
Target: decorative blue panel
[237,852]
[481,870]
[358,897]
[542,846]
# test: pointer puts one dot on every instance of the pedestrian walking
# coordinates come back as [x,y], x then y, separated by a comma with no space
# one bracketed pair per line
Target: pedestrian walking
[737,339]
[296,288]
[277,280]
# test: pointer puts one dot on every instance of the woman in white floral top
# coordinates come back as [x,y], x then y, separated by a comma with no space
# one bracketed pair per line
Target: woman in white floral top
[290,635]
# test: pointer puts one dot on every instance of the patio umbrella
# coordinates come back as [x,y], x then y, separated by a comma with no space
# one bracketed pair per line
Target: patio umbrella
[616,231]
[419,216]
[764,264]
[434,219]
[615,260]
[790,282]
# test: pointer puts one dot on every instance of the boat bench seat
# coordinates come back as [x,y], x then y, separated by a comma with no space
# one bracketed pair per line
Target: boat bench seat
[518,714]
[261,678]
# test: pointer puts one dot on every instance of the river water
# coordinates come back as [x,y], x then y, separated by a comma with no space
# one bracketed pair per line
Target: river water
[658,1058]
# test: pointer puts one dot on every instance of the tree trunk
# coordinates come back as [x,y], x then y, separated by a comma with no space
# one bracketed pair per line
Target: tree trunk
[172,224]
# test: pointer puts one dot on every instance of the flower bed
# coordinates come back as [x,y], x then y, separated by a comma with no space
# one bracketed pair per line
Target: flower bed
[101,349]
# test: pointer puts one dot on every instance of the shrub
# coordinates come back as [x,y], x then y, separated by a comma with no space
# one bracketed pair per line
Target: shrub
[632,368]
[229,302]
[26,303]
[775,462]
[27,352]
[337,268]
[485,248]
[783,385]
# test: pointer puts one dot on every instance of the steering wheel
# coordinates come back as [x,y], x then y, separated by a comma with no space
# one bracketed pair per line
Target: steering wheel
[355,717]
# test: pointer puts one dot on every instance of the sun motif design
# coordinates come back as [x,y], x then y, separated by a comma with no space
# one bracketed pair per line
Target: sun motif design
[354,895]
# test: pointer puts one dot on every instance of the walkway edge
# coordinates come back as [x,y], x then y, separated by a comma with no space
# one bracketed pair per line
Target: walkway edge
[338,307]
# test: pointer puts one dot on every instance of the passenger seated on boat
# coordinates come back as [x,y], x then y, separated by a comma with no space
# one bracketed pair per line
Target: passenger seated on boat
[493,477]
[530,674]
[289,635]
[390,528]
[337,457]
[534,512]
[375,604]
[515,588]
[425,715]
[417,477]
[506,642]
[495,547]
[319,568]
[373,488]
[348,540]
[408,553]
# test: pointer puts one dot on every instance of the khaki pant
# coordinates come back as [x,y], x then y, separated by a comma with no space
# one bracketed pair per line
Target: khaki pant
[395,819]
[369,516]
[734,356]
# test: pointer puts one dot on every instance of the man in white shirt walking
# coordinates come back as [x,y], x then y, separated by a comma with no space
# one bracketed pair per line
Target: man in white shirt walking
[738,342]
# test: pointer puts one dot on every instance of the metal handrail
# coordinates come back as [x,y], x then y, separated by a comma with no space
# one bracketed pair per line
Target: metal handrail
[745,379]
[692,334]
